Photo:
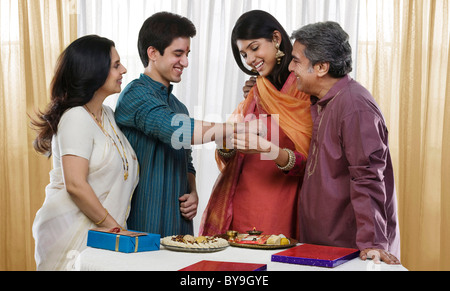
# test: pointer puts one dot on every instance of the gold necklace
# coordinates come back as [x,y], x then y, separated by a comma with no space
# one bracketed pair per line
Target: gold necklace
[124,157]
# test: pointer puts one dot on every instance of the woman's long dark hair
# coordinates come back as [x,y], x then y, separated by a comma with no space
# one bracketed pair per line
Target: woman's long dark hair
[82,69]
[260,24]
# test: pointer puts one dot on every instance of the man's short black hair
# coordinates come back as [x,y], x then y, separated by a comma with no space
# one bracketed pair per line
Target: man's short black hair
[160,29]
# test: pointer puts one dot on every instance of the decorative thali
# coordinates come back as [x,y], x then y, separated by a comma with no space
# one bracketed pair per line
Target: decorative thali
[265,246]
[256,240]
[188,243]
[194,250]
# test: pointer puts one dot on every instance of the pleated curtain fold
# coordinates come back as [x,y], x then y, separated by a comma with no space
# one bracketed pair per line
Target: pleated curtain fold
[33,34]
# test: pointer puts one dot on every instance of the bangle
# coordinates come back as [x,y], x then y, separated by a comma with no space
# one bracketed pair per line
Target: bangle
[104,218]
[226,154]
[291,163]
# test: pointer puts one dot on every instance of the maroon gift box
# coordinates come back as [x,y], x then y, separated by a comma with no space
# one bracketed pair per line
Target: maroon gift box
[224,266]
[316,255]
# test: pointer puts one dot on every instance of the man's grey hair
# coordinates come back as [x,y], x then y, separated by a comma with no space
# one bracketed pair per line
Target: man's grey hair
[326,42]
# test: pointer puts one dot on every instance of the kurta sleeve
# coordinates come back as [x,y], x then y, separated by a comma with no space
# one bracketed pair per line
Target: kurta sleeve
[153,117]
[364,138]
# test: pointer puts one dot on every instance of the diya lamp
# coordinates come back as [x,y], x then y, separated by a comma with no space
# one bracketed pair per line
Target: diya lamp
[254,231]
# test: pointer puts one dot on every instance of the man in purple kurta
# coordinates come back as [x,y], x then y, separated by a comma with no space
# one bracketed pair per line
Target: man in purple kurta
[348,196]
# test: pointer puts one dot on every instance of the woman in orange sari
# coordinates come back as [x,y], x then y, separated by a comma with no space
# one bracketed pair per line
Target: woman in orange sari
[259,187]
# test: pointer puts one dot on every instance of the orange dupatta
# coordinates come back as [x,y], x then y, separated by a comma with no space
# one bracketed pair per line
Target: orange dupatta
[293,109]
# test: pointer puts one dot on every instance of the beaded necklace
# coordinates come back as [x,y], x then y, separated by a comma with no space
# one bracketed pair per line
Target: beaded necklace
[124,156]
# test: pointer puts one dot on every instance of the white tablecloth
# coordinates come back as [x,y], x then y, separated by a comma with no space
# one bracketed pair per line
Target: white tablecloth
[93,259]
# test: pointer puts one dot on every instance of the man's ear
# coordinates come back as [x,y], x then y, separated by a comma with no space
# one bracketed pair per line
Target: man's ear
[152,53]
[322,68]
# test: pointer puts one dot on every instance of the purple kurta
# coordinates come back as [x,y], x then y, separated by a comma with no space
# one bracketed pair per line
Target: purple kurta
[348,196]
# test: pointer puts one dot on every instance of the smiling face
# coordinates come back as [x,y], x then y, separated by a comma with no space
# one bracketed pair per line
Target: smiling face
[305,73]
[259,54]
[169,67]
[113,83]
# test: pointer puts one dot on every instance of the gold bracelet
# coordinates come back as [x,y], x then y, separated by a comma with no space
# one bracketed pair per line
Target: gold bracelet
[104,218]
[291,163]
[226,153]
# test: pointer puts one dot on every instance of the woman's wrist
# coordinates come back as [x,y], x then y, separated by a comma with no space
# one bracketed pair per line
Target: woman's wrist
[104,218]
[288,162]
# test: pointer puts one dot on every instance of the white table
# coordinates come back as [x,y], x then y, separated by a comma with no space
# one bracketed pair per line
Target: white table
[93,259]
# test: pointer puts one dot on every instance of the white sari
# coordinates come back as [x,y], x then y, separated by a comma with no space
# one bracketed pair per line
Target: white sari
[60,228]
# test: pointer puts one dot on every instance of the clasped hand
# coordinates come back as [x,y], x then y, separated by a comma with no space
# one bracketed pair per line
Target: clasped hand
[253,127]
[189,205]
[249,137]
[251,143]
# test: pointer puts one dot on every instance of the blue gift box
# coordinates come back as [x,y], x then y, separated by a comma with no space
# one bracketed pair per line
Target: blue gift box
[124,241]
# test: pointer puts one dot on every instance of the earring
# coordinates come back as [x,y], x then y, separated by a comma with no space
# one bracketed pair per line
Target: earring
[279,53]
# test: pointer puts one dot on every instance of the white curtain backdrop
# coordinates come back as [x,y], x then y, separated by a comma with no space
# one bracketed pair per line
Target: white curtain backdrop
[211,87]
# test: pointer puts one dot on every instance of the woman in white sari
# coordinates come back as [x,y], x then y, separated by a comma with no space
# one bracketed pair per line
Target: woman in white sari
[95,170]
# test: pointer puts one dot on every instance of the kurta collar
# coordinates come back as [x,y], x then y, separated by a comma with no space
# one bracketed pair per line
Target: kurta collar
[334,90]
[156,85]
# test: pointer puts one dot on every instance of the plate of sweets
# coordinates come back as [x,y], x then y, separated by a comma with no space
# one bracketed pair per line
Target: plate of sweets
[257,240]
[189,243]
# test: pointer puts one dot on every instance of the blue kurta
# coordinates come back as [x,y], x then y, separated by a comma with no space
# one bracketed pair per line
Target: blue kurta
[158,127]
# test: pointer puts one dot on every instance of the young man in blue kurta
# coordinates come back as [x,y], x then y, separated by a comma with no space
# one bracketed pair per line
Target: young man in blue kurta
[165,201]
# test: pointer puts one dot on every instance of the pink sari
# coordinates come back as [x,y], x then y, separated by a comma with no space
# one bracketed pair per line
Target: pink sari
[247,183]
